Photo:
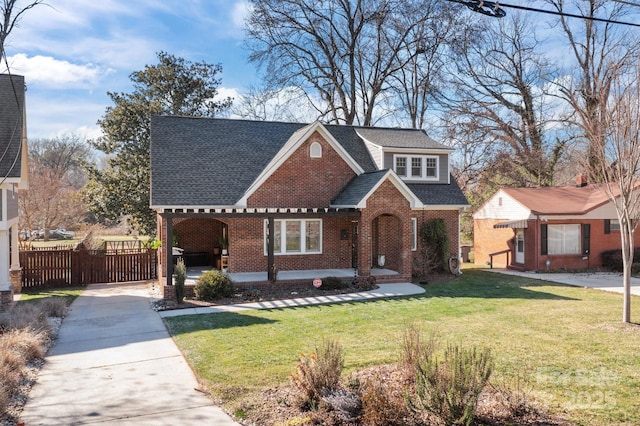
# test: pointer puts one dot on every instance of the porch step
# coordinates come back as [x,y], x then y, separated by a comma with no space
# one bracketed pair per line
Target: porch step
[391,279]
[516,268]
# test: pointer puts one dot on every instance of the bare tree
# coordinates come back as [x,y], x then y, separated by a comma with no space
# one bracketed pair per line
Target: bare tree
[619,166]
[603,52]
[289,104]
[56,173]
[500,91]
[11,14]
[344,50]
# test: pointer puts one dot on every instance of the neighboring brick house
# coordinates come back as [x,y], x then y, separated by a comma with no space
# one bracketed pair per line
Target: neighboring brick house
[13,175]
[548,228]
[332,197]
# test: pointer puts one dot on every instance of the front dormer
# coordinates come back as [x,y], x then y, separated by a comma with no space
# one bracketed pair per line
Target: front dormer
[410,153]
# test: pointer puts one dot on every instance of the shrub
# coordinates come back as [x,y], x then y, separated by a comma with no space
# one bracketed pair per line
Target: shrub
[213,285]
[332,283]
[181,276]
[54,307]
[382,405]
[318,373]
[450,388]
[435,246]
[414,350]
[347,404]
[612,259]
[364,283]
[25,315]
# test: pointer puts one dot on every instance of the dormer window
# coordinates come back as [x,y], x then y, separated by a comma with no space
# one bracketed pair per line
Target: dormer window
[315,151]
[418,167]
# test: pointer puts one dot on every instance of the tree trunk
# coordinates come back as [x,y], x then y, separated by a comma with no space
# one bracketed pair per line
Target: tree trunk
[627,237]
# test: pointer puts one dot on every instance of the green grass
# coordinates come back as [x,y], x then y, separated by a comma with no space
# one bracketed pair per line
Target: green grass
[581,361]
[68,294]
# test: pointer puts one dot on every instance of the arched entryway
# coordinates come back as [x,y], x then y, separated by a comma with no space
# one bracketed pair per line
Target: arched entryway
[201,239]
[386,242]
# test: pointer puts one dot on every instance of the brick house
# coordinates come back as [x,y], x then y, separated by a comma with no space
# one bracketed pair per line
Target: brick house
[550,228]
[14,174]
[332,197]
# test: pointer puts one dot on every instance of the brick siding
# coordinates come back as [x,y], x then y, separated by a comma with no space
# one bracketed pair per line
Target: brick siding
[303,181]
[488,240]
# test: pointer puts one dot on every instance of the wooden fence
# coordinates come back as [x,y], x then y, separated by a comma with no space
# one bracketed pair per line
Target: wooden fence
[59,268]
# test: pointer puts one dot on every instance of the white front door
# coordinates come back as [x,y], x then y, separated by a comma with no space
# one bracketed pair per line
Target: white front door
[520,246]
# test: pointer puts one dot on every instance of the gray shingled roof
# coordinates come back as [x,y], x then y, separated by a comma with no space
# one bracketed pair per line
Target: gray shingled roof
[357,188]
[399,138]
[439,194]
[212,162]
[11,116]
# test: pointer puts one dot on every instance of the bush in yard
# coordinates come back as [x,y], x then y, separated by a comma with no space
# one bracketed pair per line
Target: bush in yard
[332,283]
[54,307]
[318,373]
[213,285]
[382,402]
[450,387]
[181,276]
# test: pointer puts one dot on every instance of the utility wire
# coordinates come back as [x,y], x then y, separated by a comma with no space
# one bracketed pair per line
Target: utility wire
[482,6]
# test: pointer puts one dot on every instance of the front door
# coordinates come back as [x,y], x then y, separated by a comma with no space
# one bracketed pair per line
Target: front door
[520,246]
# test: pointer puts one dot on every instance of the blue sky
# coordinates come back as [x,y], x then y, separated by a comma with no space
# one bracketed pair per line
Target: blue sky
[72,52]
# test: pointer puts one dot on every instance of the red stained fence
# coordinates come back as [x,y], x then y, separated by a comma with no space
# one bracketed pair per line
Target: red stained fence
[60,268]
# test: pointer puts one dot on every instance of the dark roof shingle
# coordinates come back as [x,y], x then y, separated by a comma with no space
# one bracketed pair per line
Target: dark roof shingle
[11,124]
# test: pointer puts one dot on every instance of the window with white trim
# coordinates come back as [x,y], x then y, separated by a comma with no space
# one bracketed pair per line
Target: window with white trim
[563,239]
[295,236]
[414,234]
[615,225]
[419,167]
[315,151]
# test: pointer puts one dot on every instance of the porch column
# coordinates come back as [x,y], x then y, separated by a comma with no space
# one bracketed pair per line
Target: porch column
[15,271]
[168,248]
[6,290]
[271,228]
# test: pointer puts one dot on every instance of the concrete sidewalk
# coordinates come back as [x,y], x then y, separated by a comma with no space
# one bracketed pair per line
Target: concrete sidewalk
[607,281]
[383,291]
[115,363]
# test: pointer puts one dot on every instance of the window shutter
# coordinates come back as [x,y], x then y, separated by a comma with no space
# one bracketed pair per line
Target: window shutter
[607,226]
[543,240]
[586,238]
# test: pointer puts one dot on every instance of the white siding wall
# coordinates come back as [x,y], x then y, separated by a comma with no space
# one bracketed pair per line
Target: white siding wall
[502,206]
[376,154]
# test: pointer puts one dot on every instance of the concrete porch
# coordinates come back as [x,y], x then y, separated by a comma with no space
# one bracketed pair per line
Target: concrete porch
[382,275]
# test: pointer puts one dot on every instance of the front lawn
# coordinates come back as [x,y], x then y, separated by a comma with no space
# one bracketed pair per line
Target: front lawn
[567,342]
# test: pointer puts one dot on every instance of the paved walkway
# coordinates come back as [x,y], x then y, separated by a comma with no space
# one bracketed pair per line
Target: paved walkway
[115,363]
[383,290]
[607,281]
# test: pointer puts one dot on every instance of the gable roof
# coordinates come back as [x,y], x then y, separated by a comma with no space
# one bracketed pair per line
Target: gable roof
[399,138]
[215,162]
[560,200]
[294,142]
[12,98]
[361,187]
[439,194]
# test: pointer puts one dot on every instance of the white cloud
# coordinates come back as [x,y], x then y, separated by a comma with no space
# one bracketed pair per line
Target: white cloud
[49,72]
[239,14]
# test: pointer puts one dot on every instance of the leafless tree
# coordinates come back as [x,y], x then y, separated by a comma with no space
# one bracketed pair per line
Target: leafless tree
[344,50]
[11,14]
[603,52]
[619,166]
[289,104]
[499,93]
[56,174]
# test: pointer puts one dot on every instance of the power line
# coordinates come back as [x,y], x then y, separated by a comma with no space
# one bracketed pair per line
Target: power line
[486,8]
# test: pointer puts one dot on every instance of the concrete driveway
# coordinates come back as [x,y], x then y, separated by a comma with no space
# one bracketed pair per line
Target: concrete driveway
[115,363]
[607,281]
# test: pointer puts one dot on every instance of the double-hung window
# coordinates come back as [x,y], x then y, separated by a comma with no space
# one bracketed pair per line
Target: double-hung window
[295,236]
[418,167]
[564,239]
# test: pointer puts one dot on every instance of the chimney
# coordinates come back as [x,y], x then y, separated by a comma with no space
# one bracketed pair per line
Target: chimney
[581,180]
